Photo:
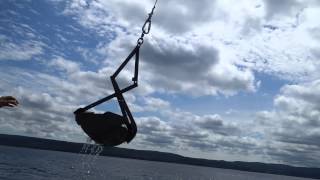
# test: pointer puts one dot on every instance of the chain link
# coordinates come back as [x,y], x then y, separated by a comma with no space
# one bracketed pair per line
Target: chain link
[146,26]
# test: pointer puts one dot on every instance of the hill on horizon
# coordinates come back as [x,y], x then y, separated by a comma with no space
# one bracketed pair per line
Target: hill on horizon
[55,145]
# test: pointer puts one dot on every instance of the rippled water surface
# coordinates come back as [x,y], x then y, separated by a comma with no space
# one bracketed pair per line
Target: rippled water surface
[32,164]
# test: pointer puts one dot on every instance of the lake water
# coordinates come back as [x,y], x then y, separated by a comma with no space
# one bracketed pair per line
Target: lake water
[32,164]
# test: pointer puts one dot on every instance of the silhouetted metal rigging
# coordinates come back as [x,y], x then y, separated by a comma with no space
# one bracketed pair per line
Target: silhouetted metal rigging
[112,129]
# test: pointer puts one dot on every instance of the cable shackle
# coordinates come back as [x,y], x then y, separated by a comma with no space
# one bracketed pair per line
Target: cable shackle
[140,41]
[146,26]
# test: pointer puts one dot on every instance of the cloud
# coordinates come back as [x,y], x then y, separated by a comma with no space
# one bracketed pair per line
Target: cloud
[18,40]
[215,124]
[178,130]
[155,132]
[281,52]
[284,7]
[294,123]
[241,34]
[166,64]
[299,107]
[221,48]
[110,14]
[176,17]
[24,50]
[63,64]
[105,16]
[155,104]
[41,115]
[171,61]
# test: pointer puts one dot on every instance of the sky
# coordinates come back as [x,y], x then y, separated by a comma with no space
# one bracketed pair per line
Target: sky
[219,79]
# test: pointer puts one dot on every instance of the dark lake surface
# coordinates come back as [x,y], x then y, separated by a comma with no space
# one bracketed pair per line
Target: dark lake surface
[32,164]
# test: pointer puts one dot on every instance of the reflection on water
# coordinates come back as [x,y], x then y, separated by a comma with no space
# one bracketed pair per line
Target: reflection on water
[31,164]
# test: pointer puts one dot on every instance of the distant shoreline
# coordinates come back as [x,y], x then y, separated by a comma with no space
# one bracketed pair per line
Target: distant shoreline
[47,144]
